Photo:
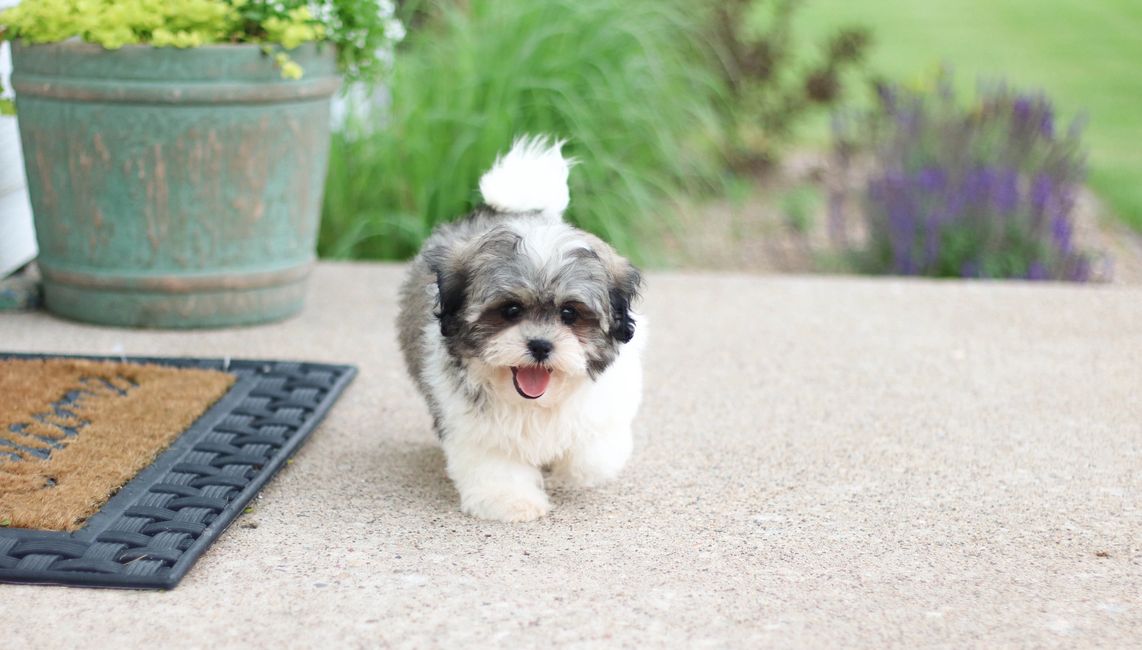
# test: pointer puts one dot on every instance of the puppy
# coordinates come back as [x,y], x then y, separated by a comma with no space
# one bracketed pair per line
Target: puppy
[519,331]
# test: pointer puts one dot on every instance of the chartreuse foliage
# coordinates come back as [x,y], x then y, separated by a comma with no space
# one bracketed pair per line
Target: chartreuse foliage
[358,28]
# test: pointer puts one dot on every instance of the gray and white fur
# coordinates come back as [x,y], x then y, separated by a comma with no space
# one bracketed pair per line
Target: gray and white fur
[519,330]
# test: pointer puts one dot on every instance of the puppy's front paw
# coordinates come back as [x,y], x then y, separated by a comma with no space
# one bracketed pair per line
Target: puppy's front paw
[507,505]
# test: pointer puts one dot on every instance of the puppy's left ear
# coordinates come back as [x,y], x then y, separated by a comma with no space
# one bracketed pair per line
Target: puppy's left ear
[625,285]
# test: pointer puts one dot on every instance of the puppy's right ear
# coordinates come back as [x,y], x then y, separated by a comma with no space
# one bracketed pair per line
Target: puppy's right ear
[452,286]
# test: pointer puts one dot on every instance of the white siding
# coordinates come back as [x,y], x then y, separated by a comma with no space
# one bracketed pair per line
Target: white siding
[17,238]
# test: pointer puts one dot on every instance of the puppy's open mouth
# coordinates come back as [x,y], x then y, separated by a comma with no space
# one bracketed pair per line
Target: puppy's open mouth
[531,381]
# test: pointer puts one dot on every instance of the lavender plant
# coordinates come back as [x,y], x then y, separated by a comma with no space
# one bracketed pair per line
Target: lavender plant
[983,193]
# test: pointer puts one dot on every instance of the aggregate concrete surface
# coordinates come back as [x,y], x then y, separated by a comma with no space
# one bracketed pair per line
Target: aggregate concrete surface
[819,462]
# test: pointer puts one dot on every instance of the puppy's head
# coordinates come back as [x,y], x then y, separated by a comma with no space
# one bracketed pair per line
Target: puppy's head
[533,306]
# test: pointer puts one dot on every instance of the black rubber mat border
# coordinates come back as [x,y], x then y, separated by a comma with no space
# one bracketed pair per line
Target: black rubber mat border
[150,533]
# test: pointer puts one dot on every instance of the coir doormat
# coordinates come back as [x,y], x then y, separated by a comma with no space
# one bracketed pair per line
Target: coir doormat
[120,472]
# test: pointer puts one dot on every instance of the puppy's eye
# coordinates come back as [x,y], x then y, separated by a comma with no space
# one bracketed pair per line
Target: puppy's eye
[568,315]
[511,311]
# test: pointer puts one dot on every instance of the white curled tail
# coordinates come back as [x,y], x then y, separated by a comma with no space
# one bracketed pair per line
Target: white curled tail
[532,177]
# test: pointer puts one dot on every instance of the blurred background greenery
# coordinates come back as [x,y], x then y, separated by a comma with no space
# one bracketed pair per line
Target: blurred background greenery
[631,86]
[668,104]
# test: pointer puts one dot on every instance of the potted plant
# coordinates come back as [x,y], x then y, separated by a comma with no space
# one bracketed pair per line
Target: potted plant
[176,150]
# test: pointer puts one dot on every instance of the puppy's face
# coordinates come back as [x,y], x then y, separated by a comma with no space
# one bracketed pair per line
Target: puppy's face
[532,308]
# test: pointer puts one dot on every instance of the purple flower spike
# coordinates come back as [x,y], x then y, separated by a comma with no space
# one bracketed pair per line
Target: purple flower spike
[931,179]
[978,185]
[1007,192]
[932,241]
[970,269]
[1047,123]
[1021,112]
[1036,271]
[1061,232]
[1041,189]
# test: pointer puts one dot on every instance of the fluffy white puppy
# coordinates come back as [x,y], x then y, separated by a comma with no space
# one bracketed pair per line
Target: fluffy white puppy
[519,331]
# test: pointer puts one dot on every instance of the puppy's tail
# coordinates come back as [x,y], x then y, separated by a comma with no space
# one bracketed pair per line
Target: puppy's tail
[532,177]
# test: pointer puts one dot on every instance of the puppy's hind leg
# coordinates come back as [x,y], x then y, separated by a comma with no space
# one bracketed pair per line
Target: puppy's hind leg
[494,486]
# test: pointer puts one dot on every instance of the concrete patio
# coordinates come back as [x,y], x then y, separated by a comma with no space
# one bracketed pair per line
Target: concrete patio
[819,462]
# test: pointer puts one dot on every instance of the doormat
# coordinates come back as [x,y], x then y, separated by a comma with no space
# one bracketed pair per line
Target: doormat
[73,431]
[226,427]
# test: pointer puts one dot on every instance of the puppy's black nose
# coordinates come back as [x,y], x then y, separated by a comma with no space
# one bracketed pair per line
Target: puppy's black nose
[540,348]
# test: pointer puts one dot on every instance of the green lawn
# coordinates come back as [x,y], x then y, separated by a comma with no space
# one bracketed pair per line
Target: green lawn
[1085,54]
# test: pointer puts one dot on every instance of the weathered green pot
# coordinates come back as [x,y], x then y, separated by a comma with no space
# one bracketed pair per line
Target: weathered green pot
[173,188]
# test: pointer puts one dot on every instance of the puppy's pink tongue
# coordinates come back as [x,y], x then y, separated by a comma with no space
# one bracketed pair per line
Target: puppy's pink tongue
[530,381]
